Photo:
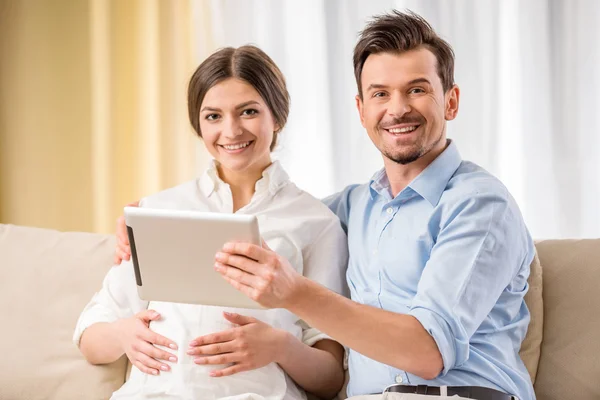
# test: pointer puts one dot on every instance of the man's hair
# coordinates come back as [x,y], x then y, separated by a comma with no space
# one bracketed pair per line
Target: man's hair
[249,64]
[398,32]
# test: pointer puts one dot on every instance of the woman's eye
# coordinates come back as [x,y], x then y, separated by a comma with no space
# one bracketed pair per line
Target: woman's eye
[250,111]
[212,117]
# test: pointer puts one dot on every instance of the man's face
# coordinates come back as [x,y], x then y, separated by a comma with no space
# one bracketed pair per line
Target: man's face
[404,108]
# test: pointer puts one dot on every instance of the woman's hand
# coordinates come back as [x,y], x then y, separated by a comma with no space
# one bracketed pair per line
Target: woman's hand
[259,273]
[251,345]
[123,251]
[137,341]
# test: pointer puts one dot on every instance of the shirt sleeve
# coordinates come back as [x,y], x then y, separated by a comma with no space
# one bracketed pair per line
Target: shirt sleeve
[480,249]
[325,262]
[118,298]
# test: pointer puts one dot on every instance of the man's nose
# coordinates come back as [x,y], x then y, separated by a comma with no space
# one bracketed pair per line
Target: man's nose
[398,106]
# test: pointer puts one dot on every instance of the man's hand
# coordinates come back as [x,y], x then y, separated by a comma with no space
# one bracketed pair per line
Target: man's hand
[259,273]
[251,345]
[123,251]
[137,341]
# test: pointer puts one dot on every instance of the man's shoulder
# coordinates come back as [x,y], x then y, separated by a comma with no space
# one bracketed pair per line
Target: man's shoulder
[472,180]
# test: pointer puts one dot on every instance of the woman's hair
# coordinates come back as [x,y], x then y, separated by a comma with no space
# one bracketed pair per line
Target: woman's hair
[397,33]
[249,64]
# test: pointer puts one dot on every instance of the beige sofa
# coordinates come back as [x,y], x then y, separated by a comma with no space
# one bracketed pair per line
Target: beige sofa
[46,278]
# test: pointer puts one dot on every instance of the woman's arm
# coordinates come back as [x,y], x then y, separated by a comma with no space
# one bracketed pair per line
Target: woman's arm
[318,369]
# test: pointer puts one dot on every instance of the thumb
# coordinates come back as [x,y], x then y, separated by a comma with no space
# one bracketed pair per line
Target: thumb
[238,319]
[148,315]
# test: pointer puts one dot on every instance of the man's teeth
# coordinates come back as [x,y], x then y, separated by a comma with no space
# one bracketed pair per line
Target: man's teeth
[403,130]
[236,146]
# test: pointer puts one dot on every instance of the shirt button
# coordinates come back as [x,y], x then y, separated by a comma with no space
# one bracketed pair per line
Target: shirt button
[399,379]
[390,210]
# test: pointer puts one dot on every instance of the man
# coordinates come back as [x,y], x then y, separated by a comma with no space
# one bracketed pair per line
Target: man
[439,252]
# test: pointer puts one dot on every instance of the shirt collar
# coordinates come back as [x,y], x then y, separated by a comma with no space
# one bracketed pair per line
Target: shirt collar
[273,177]
[431,182]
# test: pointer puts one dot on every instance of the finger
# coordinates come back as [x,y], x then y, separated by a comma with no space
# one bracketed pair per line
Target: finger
[120,256]
[219,337]
[239,274]
[155,338]
[241,262]
[148,315]
[151,364]
[212,349]
[238,319]
[218,359]
[248,250]
[234,369]
[124,247]
[245,289]
[156,353]
[134,204]
[122,230]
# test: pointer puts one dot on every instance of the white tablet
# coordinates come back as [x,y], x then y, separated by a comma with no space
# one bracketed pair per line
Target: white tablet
[173,254]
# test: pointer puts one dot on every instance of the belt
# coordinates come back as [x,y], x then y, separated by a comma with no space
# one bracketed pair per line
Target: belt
[470,392]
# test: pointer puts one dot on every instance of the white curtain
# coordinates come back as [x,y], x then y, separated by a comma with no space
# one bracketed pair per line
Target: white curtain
[530,94]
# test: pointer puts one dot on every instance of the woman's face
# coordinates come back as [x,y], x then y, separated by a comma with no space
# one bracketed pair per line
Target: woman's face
[237,126]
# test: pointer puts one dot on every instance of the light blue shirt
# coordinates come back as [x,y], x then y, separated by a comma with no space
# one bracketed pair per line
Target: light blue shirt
[452,250]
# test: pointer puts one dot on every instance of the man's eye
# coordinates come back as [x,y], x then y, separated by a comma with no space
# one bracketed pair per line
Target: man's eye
[378,94]
[416,91]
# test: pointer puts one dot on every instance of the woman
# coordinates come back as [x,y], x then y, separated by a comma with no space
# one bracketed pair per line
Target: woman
[238,103]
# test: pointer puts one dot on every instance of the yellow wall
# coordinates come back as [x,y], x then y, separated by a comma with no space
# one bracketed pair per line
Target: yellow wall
[45,114]
[93,107]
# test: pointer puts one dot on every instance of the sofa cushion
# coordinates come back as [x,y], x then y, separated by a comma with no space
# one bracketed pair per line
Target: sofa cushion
[570,360]
[47,277]
[531,346]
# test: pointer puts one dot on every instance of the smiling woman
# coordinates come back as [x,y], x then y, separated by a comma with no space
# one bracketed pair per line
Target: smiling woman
[238,103]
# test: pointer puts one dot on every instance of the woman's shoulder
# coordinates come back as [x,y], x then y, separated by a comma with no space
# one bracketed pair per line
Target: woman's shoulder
[305,205]
[184,194]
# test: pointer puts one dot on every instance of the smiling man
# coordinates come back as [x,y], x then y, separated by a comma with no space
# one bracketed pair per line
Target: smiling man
[439,252]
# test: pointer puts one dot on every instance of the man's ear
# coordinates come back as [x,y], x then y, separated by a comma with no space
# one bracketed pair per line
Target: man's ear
[452,98]
[359,107]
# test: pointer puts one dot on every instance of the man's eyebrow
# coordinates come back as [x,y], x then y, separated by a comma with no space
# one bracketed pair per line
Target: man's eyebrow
[376,86]
[419,80]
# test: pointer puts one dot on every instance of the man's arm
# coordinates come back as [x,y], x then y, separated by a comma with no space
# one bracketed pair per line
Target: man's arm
[393,339]
[478,252]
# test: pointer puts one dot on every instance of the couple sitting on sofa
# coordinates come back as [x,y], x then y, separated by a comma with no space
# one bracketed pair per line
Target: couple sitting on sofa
[433,249]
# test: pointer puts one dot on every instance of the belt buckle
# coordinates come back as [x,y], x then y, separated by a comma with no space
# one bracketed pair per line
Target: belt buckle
[387,389]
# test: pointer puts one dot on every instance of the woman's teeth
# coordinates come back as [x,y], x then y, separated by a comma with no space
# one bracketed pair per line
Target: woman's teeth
[236,146]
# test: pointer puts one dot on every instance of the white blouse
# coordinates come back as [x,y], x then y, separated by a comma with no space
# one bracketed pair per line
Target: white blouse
[294,224]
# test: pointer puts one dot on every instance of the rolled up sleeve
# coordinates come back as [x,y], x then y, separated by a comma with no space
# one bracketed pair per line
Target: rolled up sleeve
[479,250]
